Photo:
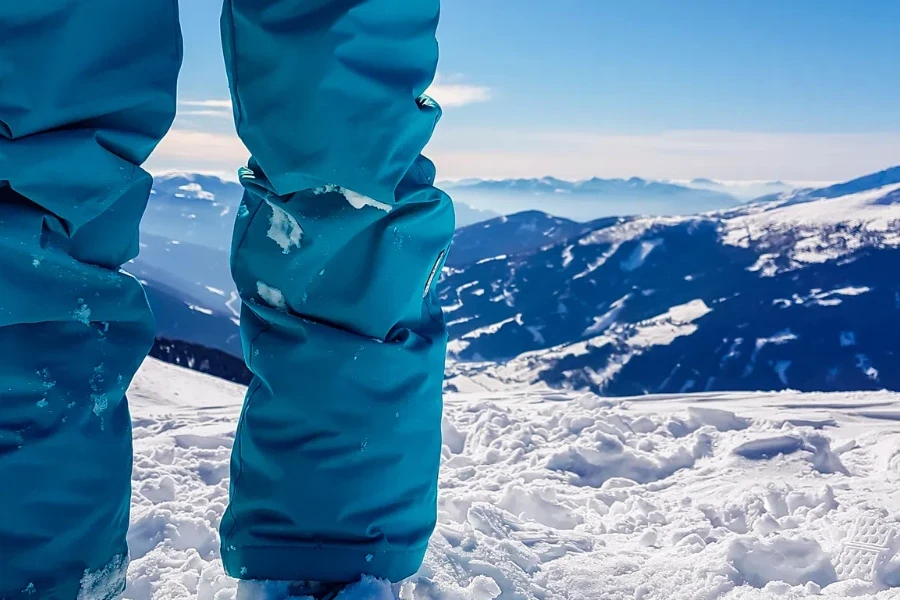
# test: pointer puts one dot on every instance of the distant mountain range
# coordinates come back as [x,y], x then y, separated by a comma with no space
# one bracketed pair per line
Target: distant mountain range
[749,190]
[590,199]
[798,290]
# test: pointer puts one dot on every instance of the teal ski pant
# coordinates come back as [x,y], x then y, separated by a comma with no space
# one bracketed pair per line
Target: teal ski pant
[334,467]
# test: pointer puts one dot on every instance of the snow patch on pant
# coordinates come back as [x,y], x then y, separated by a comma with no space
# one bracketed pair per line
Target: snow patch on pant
[105,583]
[272,296]
[357,201]
[284,229]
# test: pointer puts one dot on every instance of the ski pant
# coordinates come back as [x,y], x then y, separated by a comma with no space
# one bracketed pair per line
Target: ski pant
[336,246]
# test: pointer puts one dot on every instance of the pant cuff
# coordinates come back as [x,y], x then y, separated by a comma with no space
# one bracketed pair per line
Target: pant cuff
[332,564]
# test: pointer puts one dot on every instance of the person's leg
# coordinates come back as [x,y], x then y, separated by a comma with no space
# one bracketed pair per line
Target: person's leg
[87,89]
[337,247]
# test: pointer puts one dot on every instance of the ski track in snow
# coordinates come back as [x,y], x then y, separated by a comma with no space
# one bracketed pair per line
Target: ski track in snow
[560,495]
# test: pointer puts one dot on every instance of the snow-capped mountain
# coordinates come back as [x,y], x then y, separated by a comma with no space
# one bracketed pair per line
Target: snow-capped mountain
[589,199]
[799,292]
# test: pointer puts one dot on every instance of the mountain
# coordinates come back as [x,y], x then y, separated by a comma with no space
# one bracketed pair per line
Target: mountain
[513,234]
[188,207]
[589,199]
[799,293]
[466,215]
[746,190]
[190,290]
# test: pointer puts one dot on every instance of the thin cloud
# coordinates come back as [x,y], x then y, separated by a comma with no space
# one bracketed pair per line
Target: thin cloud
[217,109]
[452,93]
[499,153]
[220,114]
[207,103]
[449,92]
[727,155]
[201,151]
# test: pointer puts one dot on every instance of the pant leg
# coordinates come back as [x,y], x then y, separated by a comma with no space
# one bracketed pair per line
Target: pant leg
[87,89]
[336,249]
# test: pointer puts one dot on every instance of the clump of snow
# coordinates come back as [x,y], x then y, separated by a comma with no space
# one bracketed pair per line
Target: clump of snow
[107,582]
[357,201]
[82,314]
[781,559]
[272,296]
[284,229]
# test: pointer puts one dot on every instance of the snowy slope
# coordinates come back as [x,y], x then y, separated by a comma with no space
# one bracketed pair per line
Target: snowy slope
[551,495]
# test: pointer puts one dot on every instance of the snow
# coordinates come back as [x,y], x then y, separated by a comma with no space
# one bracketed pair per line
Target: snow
[199,309]
[640,254]
[82,314]
[357,201]
[284,229]
[628,341]
[603,322]
[567,256]
[273,296]
[234,299]
[548,494]
[817,297]
[803,233]
[454,347]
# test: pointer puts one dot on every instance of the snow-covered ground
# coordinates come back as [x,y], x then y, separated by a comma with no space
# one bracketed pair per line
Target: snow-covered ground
[556,495]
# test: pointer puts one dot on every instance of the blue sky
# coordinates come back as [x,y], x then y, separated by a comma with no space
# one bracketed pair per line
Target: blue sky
[804,90]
